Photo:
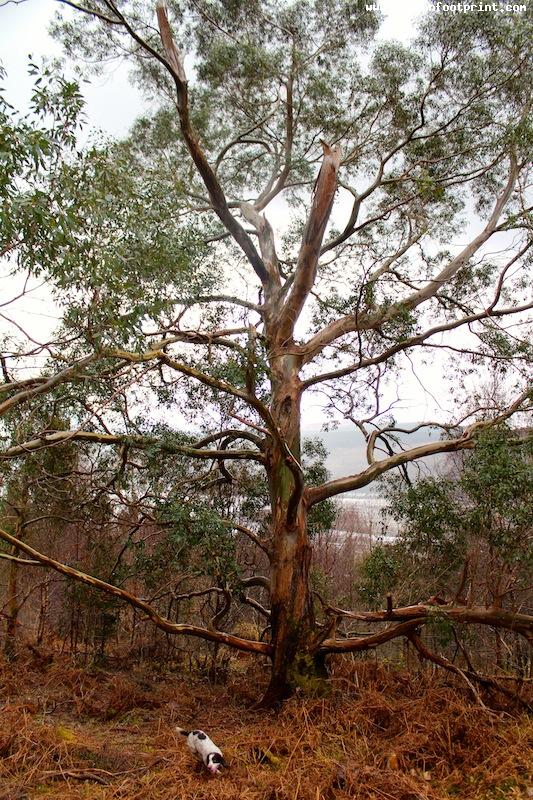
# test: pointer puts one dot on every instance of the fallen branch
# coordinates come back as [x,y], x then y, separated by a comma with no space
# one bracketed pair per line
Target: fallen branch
[27,561]
[469,676]
[441,661]
[96,775]
[367,642]
[424,613]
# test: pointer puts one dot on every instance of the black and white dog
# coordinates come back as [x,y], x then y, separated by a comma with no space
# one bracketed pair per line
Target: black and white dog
[204,749]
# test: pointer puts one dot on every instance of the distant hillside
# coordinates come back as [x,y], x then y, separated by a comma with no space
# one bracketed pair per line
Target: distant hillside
[347,450]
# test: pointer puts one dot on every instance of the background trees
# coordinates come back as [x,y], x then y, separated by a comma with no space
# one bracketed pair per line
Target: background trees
[181,294]
[468,534]
[472,530]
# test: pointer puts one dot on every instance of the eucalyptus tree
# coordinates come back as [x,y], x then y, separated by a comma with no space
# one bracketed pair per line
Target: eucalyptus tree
[304,209]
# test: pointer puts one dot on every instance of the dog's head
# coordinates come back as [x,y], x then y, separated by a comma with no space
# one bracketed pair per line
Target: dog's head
[215,763]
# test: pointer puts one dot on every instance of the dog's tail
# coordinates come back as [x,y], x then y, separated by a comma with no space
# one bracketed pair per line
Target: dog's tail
[182,731]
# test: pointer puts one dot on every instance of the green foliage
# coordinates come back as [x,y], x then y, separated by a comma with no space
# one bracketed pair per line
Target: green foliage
[483,514]
[491,500]
[107,237]
[379,573]
[197,538]
[441,626]
[498,483]
[34,151]
[435,525]
[132,260]
[321,516]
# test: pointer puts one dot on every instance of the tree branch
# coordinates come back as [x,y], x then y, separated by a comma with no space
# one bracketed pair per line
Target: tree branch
[469,675]
[163,623]
[91,11]
[367,642]
[250,534]
[41,386]
[316,494]
[431,288]
[174,65]
[421,614]
[414,341]
[26,561]
[355,322]
[273,190]
[140,442]
[265,612]
[306,266]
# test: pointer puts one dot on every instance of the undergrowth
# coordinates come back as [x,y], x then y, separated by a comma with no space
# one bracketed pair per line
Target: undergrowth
[380,734]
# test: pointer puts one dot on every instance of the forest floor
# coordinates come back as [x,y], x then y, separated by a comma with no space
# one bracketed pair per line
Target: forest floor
[69,732]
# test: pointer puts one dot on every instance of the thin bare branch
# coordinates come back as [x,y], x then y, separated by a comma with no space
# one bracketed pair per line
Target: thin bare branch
[163,623]
[316,494]
[25,561]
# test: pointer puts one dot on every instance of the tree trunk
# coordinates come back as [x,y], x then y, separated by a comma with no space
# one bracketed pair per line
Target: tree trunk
[12,608]
[291,602]
[291,606]
[43,612]
[17,499]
